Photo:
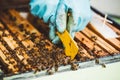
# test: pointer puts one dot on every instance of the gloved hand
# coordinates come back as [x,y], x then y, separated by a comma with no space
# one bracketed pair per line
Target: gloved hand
[44,9]
[55,12]
[79,18]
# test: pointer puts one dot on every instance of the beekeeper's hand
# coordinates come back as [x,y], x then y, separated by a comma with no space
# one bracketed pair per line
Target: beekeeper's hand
[80,15]
[55,12]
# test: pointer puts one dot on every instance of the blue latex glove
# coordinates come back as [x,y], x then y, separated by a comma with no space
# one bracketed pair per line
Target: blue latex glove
[79,18]
[44,9]
[55,12]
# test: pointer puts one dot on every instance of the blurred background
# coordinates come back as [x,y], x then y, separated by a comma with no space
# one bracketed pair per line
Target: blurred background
[110,7]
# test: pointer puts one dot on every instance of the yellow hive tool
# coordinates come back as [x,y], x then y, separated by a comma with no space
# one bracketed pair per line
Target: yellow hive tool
[70,45]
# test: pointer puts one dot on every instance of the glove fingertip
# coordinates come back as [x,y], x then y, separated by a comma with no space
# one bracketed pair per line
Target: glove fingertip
[52,31]
[56,40]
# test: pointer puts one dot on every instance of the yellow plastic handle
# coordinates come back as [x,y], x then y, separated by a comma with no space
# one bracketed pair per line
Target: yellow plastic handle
[70,45]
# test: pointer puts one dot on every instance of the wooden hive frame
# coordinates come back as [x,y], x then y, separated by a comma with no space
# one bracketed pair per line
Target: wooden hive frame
[19,50]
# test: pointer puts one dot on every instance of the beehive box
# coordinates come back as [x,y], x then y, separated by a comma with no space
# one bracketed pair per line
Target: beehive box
[26,49]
